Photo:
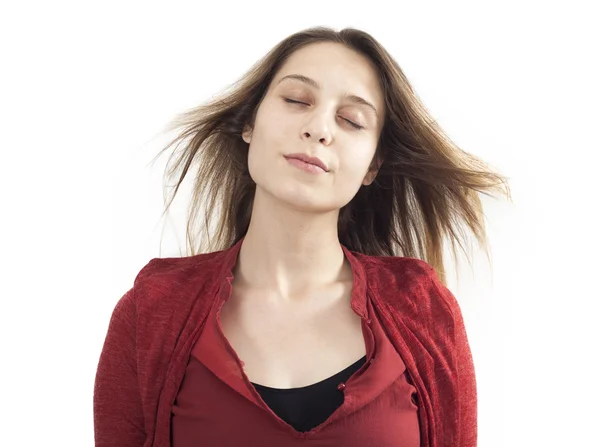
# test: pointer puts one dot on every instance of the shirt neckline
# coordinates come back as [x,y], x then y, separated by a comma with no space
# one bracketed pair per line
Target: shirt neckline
[363,359]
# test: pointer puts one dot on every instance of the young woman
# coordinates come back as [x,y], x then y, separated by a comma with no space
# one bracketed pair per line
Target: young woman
[320,315]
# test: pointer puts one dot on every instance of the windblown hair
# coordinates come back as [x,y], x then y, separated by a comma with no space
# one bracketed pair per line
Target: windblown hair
[426,190]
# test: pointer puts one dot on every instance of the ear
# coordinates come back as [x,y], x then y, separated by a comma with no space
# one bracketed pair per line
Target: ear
[247,134]
[372,173]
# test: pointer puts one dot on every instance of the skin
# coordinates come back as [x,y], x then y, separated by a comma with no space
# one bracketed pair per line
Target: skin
[292,243]
[292,283]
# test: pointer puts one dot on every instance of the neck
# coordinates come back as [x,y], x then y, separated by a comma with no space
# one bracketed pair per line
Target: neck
[290,252]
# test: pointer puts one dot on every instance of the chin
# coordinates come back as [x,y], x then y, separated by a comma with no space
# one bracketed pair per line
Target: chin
[302,200]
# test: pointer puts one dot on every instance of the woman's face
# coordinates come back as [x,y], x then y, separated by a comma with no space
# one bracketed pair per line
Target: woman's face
[325,122]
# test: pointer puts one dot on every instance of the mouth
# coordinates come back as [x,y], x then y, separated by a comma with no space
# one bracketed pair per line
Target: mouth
[305,161]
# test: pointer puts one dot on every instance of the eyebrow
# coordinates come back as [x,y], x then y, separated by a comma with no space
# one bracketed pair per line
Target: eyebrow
[315,84]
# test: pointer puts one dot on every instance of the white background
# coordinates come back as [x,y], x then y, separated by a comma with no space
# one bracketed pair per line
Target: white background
[86,88]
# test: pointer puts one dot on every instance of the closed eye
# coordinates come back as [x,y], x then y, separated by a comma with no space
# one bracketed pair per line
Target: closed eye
[356,126]
[292,101]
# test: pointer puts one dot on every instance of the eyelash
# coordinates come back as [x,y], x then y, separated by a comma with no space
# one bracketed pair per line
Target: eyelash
[356,126]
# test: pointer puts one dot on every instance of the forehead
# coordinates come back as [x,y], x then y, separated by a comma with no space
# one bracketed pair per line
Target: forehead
[336,68]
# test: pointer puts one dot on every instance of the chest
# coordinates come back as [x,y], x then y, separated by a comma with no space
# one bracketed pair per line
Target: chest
[293,345]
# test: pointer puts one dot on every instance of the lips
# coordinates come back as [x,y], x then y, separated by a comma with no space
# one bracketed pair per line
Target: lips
[310,160]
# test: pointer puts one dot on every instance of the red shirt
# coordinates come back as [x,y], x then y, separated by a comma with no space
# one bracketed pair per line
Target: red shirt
[153,354]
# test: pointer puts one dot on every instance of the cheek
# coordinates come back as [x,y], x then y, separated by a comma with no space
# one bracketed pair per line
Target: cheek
[264,156]
[273,133]
[256,160]
[354,168]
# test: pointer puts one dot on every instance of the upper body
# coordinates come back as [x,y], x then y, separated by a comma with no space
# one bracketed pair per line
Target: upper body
[323,166]
[156,324]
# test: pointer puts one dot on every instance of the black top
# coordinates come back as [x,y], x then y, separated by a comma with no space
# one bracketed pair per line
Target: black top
[307,407]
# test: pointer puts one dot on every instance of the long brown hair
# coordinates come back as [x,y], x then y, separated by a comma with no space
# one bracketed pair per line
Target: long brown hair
[426,190]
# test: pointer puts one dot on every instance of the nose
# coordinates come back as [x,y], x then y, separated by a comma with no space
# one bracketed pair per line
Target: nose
[317,129]
[325,140]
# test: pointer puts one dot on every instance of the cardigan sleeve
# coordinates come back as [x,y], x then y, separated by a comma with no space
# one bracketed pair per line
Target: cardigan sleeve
[461,396]
[118,415]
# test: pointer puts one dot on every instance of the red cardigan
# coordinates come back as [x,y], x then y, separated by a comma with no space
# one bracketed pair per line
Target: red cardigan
[155,325]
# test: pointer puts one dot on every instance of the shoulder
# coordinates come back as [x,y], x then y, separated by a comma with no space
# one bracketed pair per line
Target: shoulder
[174,281]
[399,270]
[409,287]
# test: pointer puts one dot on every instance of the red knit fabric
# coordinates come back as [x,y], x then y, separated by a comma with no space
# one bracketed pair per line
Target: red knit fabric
[158,322]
